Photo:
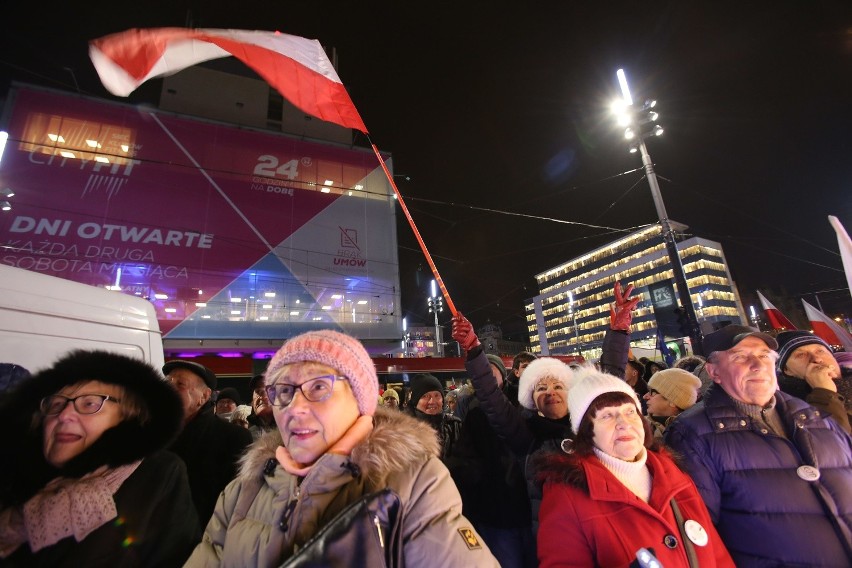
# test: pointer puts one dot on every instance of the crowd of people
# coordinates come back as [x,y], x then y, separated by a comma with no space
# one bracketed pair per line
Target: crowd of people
[742,458]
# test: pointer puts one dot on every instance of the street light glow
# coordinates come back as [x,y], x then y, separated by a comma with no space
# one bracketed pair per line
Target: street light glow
[625,90]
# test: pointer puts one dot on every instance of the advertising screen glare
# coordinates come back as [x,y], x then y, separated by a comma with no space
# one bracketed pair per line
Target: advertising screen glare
[230,232]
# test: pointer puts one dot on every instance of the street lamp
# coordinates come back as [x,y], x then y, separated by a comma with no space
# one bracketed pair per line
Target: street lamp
[754,317]
[404,337]
[640,124]
[436,305]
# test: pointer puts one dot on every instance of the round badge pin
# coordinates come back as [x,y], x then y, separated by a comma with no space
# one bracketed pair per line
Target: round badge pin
[695,532]
[807,472]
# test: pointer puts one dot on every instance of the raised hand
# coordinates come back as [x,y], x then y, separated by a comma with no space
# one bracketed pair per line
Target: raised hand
[463,333]
[621,310]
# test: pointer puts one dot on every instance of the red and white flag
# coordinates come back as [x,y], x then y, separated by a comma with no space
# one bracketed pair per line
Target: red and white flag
[296,67]
[774,315]
[827,329]
[844,243]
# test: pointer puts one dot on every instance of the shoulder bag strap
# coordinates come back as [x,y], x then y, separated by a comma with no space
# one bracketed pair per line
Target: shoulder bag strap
[687,544]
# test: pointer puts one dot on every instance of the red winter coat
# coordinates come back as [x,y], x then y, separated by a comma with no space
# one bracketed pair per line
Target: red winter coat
[605,524]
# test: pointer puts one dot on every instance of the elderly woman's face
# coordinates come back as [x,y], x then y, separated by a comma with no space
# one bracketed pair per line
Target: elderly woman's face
[619,431]
[308,428]
[66,434]
[551,398]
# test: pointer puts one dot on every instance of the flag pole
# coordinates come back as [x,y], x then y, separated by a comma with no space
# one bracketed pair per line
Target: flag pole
[428,256]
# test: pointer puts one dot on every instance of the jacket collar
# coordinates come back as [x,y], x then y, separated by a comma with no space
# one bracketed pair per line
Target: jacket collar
[397,442]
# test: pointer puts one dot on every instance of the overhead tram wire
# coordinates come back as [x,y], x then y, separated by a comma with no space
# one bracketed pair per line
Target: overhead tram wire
[750,219]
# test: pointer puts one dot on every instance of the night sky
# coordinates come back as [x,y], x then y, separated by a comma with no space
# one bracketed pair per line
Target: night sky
[490,110]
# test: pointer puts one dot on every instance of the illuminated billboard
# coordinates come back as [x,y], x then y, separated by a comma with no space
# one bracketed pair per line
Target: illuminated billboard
[230,232]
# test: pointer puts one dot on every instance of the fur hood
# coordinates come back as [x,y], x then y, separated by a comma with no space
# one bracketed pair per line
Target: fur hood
[130,440]
[559,467]
[396,443]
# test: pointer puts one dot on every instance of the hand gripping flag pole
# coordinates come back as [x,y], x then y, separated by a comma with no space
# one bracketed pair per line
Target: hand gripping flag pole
[296,67]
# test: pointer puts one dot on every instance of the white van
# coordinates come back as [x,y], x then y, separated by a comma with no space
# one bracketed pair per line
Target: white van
[42,317]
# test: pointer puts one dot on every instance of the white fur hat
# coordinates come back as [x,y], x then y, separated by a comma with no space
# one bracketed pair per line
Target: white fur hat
[589,384]
[537,370]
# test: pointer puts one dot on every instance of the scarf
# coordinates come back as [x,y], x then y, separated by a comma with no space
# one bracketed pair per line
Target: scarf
[64,507]
[634,475]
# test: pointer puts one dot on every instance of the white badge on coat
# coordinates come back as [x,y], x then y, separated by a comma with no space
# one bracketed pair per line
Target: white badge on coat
[695,532]
[807,472]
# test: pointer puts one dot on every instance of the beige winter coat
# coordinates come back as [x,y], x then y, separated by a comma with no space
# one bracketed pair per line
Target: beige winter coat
[251,526]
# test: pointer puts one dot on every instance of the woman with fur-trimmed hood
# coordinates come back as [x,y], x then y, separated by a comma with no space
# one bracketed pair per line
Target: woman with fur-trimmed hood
[86,481]
[332,447]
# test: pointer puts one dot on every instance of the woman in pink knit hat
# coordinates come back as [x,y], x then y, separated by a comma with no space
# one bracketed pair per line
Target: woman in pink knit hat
[334,446]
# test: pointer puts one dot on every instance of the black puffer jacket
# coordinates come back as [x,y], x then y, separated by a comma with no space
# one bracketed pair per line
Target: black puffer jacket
[159,525]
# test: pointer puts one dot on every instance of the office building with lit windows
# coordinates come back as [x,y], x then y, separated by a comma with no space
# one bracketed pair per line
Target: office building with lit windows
[570,315]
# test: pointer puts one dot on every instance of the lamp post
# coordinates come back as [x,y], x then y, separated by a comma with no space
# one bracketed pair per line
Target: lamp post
[436,305]
[641,124]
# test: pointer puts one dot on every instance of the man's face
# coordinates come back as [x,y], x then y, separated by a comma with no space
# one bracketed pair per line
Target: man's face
[192,390]
[225,405]
[391,402]
[746,371]
[521,368]
[431,403]
[260,402]
[810,359]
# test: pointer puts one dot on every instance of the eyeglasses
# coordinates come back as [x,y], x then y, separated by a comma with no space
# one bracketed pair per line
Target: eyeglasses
[83,404]
[653,392]
[314,390]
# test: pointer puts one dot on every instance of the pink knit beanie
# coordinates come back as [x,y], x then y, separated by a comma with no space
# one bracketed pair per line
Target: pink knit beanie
[338,351]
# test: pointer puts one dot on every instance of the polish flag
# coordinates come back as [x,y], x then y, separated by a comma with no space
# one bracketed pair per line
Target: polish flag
[296,67]
[774,315]
[827,329]
[844,243]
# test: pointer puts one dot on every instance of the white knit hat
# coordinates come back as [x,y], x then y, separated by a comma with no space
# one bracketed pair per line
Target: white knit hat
[537,370]
[589,384]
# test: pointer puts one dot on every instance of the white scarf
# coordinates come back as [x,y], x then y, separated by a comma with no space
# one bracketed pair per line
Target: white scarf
[633,475]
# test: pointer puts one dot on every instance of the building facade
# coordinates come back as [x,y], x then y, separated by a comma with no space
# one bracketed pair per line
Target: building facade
[240,235]
[570,315]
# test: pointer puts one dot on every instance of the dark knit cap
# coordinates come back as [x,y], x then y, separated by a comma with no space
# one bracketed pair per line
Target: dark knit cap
[230,393]
[421,384]
[789,341]
[208,376]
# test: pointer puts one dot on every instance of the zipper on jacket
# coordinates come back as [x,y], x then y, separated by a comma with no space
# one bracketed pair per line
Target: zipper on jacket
[284,523]
[379,531]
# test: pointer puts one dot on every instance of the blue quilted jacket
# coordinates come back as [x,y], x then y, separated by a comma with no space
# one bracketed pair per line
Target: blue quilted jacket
[767,508]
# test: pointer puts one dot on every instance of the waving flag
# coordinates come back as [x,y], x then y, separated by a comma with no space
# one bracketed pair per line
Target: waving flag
[774,315]
[827,329]
[845,245]
[296,67]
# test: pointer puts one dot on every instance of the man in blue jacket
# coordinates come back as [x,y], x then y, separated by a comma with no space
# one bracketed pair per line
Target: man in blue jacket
[775,472]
